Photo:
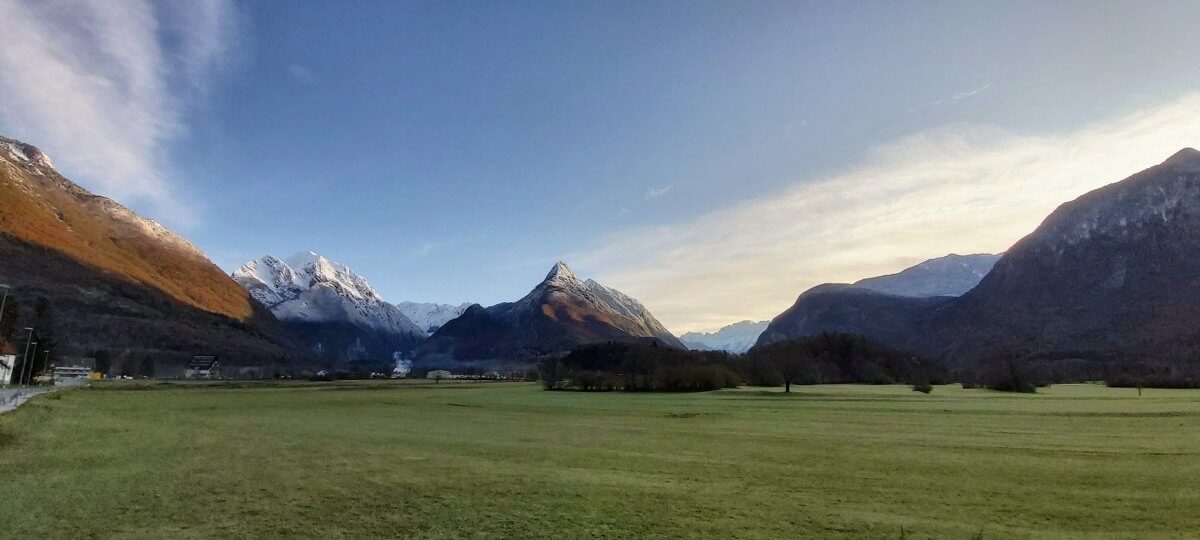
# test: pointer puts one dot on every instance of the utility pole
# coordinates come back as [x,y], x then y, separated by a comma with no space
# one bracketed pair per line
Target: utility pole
[25,357]
[3,301]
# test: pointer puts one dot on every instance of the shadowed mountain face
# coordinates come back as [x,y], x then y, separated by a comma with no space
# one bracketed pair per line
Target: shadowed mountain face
[894,307]
[115,279]
[1112,275]
[558,315]
[886,318]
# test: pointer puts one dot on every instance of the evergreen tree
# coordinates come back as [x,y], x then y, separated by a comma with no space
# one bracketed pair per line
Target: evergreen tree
[103,361]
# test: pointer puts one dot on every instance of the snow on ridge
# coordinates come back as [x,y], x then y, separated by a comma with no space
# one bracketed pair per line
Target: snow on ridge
[25,152]
[429,315]
[735,338]
[309,287]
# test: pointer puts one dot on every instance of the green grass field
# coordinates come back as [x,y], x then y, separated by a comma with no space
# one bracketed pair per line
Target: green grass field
[468,459]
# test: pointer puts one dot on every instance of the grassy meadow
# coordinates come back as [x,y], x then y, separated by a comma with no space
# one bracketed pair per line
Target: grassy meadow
[476,459]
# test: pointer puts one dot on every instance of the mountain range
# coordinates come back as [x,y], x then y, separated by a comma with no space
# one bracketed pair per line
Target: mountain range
[952,275]
[560,313]
[1112,275]
[329,308]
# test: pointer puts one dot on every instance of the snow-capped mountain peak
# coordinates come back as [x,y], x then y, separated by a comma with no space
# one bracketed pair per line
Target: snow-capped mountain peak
[561,275]
[25,152]
[309,287]
[315,270]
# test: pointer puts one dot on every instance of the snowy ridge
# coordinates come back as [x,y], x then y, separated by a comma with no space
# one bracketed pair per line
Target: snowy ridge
[627,306]
[736,338]
[22,152]
[429,315]
[308,287]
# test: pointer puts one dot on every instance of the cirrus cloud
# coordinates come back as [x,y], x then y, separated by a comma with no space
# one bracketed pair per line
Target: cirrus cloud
[103,86]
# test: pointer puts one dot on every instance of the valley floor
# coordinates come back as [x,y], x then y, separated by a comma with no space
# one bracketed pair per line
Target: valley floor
[467,459]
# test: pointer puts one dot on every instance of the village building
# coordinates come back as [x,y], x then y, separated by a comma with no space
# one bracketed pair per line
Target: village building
[203,367]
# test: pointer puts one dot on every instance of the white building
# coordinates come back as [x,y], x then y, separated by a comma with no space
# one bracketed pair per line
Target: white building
[7,362]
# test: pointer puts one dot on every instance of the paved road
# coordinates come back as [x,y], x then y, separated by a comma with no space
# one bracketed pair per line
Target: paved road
[11,398]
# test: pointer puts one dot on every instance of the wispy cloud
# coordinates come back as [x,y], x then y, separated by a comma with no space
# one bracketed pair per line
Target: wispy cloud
[964,95]
[95,85]
[656,192]
[963,188]
[301,74]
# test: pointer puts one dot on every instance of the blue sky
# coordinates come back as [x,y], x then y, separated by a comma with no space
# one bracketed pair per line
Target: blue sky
[453,151]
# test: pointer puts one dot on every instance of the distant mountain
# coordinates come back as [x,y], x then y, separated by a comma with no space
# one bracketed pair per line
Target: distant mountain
[431,316]
[736,338]
[889,319]
[116,280]
[560,313]
[332,310]
[1112,275]
[880,305]
[952,275]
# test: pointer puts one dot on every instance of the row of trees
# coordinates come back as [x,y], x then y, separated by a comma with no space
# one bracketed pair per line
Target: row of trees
[638,367]
[837,358]
[826,358]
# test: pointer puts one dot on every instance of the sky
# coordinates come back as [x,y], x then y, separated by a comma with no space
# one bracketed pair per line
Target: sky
[712,159]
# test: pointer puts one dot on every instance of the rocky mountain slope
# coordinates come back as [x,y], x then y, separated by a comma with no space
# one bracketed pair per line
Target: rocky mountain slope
[1112,275]
[334,311]
[116,280]
[736,338]
[559,314]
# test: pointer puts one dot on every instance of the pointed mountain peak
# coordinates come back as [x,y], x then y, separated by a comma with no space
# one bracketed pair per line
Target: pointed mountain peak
[1188,157]
[304,258]
[25,152]
[561,273]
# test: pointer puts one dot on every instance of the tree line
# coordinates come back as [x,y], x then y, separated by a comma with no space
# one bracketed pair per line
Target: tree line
[820,359]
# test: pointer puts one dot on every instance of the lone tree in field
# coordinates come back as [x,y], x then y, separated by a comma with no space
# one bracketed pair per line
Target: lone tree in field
[791,364]
[788,359]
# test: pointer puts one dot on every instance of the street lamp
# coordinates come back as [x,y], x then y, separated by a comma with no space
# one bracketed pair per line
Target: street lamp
[25,357]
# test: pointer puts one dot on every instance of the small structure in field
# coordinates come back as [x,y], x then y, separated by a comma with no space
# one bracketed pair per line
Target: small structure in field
[203,367]
[439,374]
